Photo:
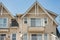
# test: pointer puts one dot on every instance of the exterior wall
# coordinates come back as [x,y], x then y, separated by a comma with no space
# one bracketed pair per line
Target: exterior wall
[25,28]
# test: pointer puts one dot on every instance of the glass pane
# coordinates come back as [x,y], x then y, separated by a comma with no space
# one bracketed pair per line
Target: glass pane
[39,37]
[14,35]
[4,25]
[45,36]
[34,37]
[13,38]
[32,22]
[25,20]
[4,20]
[25,37]
[38,22]
[1,21]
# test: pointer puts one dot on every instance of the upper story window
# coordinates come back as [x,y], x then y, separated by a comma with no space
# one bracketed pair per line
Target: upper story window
[3,22]
[25,20]
[38,22]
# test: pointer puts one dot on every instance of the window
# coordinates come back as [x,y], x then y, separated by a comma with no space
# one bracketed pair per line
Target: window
[45,36]
[25,37]
[37,22]
[3,22]
[13,36]
[2,36]
[25,20]
[36,37]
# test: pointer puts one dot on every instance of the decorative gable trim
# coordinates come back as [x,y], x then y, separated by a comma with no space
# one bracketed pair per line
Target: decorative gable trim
[1,4]
[42,9]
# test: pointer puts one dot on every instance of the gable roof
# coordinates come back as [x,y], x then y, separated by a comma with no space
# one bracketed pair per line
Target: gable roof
[46,11]
[1,4]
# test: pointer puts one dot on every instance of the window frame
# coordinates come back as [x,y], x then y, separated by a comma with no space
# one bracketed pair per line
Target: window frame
[37,34]
[12,37]
[46,35]
[25,19]
[5,23]
[42,21]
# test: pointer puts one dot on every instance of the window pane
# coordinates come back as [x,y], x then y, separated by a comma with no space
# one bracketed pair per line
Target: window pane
[38,22]
[13,36]
[3,22]
[34,37]
[25,37]
[45,36]
[32,22]
[39,36]
[25,20]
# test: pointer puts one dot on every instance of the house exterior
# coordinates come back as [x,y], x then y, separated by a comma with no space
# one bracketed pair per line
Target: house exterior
[37,23]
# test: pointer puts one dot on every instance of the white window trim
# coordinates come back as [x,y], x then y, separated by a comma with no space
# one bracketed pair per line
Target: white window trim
[41,20]
[7,22]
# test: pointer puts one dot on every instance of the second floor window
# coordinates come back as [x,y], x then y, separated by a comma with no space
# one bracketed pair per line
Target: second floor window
[3,22]
[38,22]
[25,20]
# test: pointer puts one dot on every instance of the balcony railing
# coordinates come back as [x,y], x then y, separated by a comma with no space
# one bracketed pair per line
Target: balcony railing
[35,29]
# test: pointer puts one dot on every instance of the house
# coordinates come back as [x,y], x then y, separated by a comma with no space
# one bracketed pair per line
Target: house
[37,23]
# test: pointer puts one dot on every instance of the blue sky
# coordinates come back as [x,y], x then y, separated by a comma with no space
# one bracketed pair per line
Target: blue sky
[20,6]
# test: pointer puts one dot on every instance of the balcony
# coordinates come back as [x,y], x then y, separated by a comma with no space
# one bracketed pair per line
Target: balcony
[14,24]
[4,30]
[36,29]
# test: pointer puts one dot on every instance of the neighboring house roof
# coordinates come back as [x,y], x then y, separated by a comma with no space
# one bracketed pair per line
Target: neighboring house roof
[46,11]
[1,4]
